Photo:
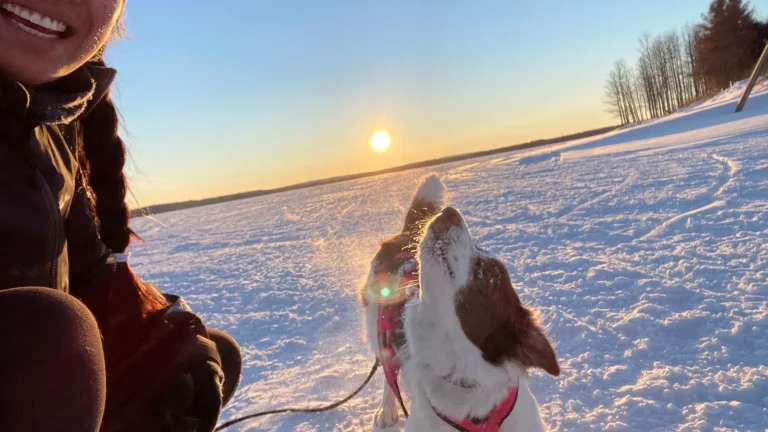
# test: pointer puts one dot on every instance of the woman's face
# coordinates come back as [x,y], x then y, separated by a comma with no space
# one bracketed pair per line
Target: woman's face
[42,40]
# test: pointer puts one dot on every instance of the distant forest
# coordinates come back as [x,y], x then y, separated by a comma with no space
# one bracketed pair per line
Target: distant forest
[679,67]
[161,208]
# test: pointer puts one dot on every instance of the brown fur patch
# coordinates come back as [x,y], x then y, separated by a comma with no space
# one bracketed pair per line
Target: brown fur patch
[495,320]
[385,258]
[417,217]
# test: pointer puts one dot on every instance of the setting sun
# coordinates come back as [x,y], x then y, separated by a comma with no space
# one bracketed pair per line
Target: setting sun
[380,141]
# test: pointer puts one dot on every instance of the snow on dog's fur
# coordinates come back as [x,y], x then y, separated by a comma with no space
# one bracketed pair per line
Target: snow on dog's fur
[469,337]
[426,203]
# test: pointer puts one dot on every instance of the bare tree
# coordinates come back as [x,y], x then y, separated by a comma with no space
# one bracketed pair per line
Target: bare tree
[674,51]
[620,94]
[646,76]
[642,97]
[678,67]
[629,97]
[660,65]
[613,96]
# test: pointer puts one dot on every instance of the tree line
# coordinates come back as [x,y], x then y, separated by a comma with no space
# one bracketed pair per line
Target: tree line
[681,66]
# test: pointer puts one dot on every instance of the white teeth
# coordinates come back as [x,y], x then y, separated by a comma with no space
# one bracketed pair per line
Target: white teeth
[35,32]
[35,18]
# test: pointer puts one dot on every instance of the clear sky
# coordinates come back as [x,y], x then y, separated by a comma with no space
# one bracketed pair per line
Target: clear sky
[236,95]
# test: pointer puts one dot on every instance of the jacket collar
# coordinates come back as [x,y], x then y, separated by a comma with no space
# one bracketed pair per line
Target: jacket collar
[60,102]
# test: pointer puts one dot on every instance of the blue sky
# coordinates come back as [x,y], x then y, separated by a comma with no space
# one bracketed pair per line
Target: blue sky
[239,95]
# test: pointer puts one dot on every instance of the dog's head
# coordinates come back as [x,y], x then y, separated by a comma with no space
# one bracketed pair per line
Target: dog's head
[426,203]
[461,279]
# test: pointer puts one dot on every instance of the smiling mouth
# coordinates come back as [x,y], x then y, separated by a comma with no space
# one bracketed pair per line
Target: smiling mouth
[34,22]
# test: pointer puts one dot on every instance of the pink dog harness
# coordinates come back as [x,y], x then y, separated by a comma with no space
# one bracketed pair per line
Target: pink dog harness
[492,423]
[390,317]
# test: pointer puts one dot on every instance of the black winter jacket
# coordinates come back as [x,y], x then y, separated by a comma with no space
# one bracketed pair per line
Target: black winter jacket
[47,235]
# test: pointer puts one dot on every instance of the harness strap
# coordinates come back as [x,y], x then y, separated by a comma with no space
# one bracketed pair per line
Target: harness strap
[389,319]
[492,423]
[390,373]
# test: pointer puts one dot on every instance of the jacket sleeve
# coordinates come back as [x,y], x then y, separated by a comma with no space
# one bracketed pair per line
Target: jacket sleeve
[88,256]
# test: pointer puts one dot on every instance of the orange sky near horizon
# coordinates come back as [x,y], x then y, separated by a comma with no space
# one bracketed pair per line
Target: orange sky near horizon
[358,157]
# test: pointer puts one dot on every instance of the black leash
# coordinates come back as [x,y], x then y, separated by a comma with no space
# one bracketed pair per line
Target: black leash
[402,404]
[306,410]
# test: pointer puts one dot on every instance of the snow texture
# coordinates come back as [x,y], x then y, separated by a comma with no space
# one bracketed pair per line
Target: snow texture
[646,250]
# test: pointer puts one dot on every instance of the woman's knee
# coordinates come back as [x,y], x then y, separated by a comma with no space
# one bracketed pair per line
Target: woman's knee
[46,319]
[52,362]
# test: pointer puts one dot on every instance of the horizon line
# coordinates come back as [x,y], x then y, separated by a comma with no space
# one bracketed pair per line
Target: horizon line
[183,205]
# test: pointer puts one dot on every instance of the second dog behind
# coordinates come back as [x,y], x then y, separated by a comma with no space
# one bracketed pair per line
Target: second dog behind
[387,285]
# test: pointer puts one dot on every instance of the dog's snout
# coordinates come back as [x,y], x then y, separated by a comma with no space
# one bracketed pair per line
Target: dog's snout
[452,216]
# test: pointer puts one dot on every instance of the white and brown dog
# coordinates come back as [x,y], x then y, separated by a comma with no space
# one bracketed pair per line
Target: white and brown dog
[392,279]
[470,340]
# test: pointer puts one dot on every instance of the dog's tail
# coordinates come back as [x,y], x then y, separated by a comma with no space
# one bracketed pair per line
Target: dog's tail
[427,202]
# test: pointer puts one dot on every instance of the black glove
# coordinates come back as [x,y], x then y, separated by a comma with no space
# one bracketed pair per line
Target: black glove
[193,394]
[176,382]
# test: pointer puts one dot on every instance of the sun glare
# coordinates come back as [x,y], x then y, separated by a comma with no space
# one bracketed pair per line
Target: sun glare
[380,141]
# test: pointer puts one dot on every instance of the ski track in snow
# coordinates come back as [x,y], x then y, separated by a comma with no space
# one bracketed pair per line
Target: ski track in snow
[723,181]
[646,255]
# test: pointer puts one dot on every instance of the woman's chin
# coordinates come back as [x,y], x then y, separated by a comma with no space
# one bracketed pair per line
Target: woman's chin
[34,66]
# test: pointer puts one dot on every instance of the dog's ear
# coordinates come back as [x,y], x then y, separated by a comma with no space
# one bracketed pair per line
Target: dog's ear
[495,320]
[427,202]
[524,341]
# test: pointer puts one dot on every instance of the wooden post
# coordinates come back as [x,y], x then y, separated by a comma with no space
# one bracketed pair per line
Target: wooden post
[752,80]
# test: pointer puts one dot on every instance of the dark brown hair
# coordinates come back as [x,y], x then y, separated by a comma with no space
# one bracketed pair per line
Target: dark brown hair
[102,155]
[103,159]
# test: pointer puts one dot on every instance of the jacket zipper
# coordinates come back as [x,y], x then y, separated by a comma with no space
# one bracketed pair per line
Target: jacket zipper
[56,221]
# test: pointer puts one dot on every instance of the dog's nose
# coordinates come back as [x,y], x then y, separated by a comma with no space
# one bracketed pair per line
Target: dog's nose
[452,215]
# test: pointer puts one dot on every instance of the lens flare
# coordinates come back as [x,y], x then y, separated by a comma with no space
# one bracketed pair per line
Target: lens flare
[385,292]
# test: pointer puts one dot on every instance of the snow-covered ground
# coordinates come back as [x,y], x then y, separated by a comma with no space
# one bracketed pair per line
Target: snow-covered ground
[645,249]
